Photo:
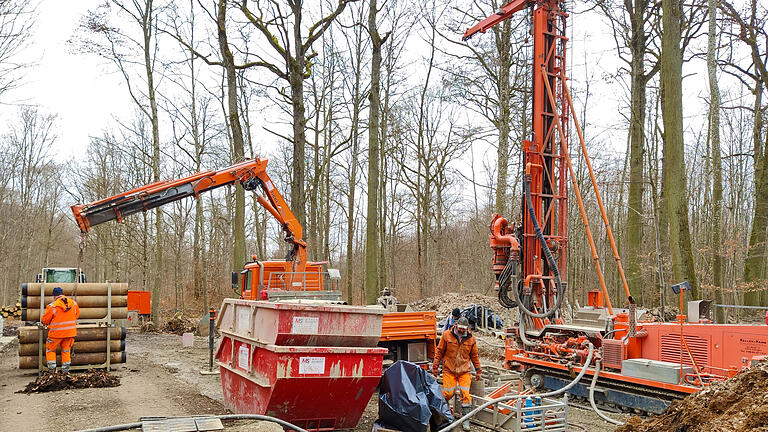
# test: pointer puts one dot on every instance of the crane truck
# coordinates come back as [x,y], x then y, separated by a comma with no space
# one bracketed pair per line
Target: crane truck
[641,365]
[408,335]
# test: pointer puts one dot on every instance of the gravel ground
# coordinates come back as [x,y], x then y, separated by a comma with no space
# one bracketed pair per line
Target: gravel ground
[161,378]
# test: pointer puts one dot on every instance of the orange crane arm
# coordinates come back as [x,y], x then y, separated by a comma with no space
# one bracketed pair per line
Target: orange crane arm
[251,173]
[505,12]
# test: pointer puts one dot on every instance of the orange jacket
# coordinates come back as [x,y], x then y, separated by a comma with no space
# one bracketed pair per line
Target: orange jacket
[457,353]
[61,318]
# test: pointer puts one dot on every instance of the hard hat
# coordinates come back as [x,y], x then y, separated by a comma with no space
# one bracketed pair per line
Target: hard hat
[58,291]
[456,312]
[462,323]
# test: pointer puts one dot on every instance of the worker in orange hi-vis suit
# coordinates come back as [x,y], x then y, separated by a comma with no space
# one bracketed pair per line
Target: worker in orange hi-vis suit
[61,318]
[457,348]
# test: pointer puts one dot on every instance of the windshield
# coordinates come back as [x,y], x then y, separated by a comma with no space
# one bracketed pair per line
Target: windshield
[60,276]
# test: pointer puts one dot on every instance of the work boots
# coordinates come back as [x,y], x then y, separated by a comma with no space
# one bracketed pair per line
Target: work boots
[65,367]
[465,409]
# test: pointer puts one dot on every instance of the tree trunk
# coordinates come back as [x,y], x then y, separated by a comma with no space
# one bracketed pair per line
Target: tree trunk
[238,144]
[296,71]
[371,226]
[502,153]
[754,265]
[635,209]
[158,276]
[674,149]
[717,174]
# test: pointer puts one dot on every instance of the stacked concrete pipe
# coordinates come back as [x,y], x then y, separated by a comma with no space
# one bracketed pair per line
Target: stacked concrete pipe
[91,297]
[90,346]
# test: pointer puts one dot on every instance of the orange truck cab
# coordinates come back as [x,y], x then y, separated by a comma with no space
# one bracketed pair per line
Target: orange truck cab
[276,280]
[409,335]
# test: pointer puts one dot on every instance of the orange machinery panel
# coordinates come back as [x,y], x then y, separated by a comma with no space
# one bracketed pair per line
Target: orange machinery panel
[409,325]
[139,301]
[717,348]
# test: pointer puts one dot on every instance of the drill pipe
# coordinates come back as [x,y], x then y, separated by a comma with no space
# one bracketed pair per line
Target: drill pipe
[31,289]
[29,334]
[31,302]
[31,349]
[30,362]
[85,313]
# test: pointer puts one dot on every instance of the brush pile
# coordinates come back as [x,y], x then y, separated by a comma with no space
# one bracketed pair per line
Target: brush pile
[739,404]
[444,304]
[55,381]
[179,325]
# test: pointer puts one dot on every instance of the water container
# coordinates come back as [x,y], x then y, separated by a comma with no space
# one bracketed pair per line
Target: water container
[187,340]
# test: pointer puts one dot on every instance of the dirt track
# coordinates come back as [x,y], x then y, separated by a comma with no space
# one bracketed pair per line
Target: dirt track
[161,378]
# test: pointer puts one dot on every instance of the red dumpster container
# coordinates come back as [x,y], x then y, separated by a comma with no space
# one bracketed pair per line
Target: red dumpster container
[301,324]
[317,388]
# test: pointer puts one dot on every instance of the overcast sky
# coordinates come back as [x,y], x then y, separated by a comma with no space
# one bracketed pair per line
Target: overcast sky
[86,94]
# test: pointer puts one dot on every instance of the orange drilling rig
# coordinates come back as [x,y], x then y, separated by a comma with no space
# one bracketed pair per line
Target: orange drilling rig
[641,365]
[408,335]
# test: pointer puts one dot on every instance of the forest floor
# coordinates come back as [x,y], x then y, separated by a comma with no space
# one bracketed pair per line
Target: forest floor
[160,378]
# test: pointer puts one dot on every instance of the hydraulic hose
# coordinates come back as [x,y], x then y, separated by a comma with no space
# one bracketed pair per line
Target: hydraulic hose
[521,330]
[550,259]
[592,398]
[472,413]
[507,280]
[137,425]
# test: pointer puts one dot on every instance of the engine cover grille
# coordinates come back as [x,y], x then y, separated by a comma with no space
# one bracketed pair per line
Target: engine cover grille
[699,346]
[613,353]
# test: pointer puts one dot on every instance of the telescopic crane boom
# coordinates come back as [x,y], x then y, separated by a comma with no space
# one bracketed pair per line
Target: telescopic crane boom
[250,173]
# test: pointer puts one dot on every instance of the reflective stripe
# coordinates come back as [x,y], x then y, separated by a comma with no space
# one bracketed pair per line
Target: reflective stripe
[49,340]
[63,328]
[64,350]
[57,324]
[463,388]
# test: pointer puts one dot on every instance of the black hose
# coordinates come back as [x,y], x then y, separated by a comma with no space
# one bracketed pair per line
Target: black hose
[506,280]
[129,426]
[550,259]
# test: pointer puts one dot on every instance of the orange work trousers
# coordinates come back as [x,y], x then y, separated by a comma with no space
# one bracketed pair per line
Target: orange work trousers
[66,351]
[451,383]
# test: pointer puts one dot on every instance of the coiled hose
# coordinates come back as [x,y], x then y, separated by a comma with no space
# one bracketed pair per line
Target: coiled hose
[550,259]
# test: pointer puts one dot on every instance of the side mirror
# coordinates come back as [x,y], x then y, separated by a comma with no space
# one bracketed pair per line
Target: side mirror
[235,279]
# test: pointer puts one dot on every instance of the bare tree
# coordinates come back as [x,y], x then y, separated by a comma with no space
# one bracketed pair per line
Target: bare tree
[714,145]
[16,19]
[281,25]
[753,33]
[127,51]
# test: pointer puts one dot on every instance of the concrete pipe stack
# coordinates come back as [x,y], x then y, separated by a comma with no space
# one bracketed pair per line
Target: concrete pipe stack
[93,299]
[90,346]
